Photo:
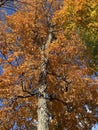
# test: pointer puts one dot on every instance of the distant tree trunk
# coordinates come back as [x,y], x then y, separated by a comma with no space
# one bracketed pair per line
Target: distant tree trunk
[43,114]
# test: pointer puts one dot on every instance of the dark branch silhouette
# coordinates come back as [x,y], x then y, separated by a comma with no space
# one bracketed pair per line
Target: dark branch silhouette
[4,2]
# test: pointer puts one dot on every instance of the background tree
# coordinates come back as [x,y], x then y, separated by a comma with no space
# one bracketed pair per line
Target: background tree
[82,17]
[45,70]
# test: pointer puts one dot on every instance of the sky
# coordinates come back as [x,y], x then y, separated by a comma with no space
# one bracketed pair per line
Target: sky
[95,127]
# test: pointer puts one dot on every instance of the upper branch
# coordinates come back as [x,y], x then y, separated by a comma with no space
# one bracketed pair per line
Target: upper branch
[3,2]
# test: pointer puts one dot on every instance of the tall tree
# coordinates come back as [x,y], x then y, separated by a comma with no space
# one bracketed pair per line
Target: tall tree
[45,70]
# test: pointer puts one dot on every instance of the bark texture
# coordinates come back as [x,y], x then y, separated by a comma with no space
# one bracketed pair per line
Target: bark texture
[43,115]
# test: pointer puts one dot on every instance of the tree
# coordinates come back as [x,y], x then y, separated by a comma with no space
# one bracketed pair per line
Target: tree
[82,17]
[45,71]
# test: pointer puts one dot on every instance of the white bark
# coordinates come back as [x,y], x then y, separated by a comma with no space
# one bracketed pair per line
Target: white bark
[43,115]
[43,118]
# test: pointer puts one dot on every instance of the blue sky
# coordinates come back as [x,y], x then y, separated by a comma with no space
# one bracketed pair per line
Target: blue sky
[95,127]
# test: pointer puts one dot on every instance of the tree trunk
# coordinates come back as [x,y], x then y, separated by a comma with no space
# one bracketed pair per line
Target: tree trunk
[43,116]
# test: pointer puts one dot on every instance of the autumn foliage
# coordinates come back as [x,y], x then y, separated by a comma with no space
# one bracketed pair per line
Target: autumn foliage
[71,93]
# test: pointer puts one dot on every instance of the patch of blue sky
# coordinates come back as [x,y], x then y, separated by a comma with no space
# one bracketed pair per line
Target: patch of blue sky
[9,8]
[87,109]
[19,106]
[93,76]
[2,56]
[15,127]
[95,127]
[1,70]
[97,73]
[18,61]
[9,11]
[1,102]
[23,127]
[29,119]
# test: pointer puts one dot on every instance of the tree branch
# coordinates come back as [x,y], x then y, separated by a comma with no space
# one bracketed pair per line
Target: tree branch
[3,2]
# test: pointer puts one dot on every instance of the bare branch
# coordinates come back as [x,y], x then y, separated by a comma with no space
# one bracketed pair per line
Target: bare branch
[3,2]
